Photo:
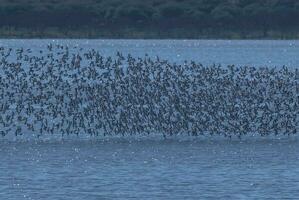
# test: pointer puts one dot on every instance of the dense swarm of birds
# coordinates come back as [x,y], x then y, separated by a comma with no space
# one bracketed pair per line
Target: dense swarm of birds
[63,90]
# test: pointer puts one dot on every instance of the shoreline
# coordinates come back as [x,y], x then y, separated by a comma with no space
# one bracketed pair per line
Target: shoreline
[149,39]
[49,33]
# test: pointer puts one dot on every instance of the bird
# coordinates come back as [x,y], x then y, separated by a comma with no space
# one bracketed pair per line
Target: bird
[63,90]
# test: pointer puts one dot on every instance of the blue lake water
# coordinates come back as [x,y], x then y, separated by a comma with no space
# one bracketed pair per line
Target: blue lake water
[150,169]
[154,168]
[225,52]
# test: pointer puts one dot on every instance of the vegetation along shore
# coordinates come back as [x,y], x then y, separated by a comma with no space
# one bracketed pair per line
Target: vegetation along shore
[231,19]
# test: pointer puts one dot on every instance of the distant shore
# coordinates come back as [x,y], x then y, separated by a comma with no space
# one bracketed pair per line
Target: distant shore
[151,19]
[22,33]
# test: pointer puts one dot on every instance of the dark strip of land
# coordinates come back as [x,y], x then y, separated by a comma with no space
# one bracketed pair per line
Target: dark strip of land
[233,19]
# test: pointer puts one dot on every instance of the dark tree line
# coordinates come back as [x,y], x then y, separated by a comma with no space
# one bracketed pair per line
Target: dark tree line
[241,16]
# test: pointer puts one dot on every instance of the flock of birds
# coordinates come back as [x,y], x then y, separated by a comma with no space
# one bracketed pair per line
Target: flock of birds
[69,90]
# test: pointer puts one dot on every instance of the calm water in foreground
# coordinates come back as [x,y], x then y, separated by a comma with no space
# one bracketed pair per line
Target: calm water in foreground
[150,169]
[157,168]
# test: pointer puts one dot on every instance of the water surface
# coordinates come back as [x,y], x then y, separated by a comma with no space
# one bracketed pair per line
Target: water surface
[227,52]
[150,169]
